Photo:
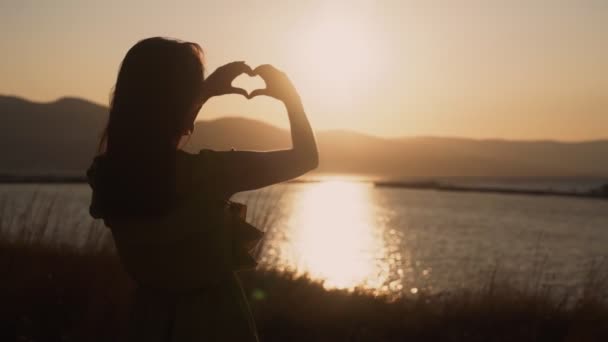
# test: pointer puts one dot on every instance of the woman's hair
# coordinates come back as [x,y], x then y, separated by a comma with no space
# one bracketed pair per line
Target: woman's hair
[158,86]
[159,81]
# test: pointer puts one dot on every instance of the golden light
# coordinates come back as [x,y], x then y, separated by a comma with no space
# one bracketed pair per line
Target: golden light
[339,55]
[332,236]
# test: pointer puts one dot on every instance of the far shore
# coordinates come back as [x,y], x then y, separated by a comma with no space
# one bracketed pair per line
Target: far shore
[599,193]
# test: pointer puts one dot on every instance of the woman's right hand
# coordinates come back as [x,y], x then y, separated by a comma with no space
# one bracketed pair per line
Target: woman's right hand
[278,85]
[220,81]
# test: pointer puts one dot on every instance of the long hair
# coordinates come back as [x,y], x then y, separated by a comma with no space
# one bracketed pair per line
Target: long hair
[159,84]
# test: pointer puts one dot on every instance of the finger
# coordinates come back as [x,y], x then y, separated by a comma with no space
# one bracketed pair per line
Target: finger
[238,91]
[263,67]
[237,68]
[258,92]
[265,70]
[249,71]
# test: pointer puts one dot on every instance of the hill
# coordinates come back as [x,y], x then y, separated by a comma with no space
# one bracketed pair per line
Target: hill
[60,138]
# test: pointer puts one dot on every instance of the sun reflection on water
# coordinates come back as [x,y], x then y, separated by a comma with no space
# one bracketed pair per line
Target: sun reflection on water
[333,235]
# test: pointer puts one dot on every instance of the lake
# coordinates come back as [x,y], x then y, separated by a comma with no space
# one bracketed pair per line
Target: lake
[392,241]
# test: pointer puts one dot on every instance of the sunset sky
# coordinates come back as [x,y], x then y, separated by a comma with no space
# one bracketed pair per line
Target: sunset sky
[482,69]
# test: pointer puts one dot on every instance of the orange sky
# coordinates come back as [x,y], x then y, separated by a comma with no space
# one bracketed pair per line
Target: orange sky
[505,69]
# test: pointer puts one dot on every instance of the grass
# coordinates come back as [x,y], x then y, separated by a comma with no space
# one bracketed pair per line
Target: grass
[55,291]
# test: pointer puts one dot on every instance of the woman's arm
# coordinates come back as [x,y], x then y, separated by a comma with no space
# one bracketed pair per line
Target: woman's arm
[248,170]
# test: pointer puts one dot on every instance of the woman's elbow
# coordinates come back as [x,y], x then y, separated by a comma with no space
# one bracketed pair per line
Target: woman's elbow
[306,161]
[313,161]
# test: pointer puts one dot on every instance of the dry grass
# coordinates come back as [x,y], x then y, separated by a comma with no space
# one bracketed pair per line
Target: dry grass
[54,291]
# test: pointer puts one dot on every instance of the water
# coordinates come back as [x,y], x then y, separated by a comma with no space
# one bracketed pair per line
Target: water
[388,240]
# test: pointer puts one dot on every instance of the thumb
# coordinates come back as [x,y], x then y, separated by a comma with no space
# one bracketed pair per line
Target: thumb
[238,91]
[258,92]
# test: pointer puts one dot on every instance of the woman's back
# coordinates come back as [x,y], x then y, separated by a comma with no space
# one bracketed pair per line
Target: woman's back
[186,247]
[181,261]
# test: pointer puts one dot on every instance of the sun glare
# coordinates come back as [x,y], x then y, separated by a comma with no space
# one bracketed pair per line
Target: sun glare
[339,56]
[336,50]
[332,237]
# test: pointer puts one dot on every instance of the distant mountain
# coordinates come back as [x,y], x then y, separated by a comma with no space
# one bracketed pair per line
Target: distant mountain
[60,138]
[50,138]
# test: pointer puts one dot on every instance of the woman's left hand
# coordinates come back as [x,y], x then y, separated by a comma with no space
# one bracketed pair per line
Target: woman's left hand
[220,81]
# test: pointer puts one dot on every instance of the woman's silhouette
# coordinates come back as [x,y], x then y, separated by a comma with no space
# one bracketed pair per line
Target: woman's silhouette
[167,208]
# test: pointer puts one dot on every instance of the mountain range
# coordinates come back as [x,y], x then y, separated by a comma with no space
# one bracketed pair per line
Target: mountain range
[60,138]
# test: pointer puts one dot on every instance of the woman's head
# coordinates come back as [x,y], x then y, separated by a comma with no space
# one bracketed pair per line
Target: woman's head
[155,101]
[156,97]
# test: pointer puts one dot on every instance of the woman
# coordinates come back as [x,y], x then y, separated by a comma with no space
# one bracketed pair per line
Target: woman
[167,208]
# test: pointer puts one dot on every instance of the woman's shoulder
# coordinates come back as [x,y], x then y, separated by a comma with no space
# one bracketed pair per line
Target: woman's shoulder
[207,159]
[202,155]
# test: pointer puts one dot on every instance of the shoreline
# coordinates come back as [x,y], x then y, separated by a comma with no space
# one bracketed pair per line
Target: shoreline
[599,193]
[437,186]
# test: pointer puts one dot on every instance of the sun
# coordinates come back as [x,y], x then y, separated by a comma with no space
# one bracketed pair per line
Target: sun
[339,57]
[337,51]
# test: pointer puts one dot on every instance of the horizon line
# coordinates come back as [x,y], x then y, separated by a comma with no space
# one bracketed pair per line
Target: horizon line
[333,130]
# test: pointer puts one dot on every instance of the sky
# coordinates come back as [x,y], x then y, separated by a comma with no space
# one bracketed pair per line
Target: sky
[480,69]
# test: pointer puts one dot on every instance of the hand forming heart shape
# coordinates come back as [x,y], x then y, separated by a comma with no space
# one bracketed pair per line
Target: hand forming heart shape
[249,83]
[277,83]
